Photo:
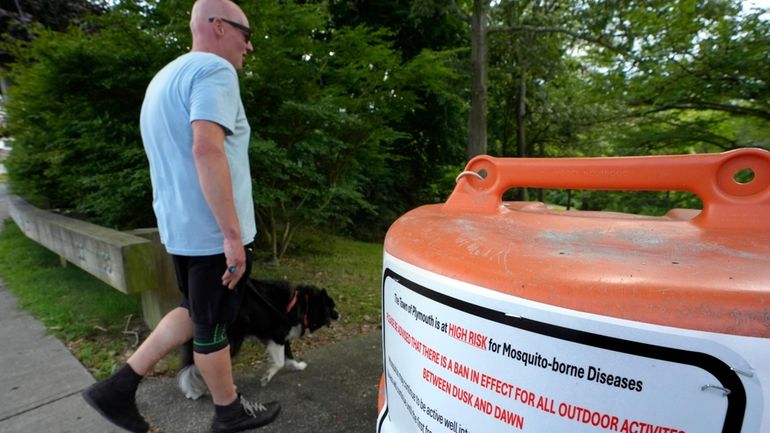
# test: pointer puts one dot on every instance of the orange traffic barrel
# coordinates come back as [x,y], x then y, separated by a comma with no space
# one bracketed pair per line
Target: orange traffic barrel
[515,317]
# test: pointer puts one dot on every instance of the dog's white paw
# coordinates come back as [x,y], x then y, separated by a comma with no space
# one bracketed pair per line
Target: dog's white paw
[296,365]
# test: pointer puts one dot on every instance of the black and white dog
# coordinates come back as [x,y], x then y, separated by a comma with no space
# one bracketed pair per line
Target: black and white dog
[274,312]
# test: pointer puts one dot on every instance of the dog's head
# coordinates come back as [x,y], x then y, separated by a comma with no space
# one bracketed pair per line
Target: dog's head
[320,307]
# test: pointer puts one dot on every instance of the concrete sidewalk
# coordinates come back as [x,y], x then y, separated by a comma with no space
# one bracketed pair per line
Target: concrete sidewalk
[41,381]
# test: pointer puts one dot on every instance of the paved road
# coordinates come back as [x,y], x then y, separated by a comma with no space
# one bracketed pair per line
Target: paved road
[40,382]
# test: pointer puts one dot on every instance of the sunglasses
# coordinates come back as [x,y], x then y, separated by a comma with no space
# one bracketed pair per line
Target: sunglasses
[238,26]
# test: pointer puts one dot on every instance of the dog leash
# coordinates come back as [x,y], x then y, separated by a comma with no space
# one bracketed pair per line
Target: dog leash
[283,316]
[293,302]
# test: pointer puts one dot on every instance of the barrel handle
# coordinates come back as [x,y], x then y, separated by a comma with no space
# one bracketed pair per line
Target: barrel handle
[727,203]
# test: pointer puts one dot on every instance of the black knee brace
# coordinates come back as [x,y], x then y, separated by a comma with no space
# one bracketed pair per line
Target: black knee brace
[209,338]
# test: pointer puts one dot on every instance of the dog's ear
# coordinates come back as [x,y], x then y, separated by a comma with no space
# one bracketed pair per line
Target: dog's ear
[330,306]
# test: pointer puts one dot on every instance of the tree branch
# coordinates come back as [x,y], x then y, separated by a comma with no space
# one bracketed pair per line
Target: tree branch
[703,105]
[535,29]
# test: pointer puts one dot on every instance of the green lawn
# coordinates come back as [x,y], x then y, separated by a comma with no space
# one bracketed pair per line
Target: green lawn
[350,270]
[100,324]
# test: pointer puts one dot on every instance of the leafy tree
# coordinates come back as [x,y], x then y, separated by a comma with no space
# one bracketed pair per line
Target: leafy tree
[532,18]
[698,84]
[436,123]
[52,14]
[523,66]
[17,19]
[416,24]
[73,113]
[655,52]
[326,106]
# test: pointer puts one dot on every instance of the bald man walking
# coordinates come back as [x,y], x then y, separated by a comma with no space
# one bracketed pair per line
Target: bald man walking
[196,137]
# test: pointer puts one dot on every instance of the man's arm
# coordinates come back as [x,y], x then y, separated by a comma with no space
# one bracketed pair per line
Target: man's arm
[214,174]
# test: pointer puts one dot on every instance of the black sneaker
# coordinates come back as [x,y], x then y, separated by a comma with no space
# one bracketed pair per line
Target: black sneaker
[245,416]
[118,408]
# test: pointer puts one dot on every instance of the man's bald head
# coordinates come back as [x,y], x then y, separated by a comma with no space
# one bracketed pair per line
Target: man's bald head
[214,24]
[204,9]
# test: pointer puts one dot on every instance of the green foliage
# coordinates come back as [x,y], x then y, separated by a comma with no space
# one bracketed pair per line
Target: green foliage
[73,112]
[327,107]
[16,16]
[665,77]
[416,24]
[693,78]
[529,72]
[432,41]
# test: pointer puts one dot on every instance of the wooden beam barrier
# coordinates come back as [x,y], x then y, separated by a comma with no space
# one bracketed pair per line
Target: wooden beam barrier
[132,262]
[166,295]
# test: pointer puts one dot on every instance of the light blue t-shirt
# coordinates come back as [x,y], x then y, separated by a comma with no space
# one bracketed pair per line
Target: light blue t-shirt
[195,86]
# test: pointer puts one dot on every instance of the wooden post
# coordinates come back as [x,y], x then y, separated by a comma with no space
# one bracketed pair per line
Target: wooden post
[166,296]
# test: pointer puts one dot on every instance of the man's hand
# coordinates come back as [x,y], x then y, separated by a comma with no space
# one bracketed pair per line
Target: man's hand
[236,261]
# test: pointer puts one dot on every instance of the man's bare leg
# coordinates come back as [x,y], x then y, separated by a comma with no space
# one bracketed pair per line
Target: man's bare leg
[173,330]
[217,372]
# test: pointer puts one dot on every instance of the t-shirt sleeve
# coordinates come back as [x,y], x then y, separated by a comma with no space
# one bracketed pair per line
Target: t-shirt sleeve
[215,96]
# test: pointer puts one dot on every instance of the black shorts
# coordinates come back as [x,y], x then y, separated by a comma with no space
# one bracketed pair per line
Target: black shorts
[204,296]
